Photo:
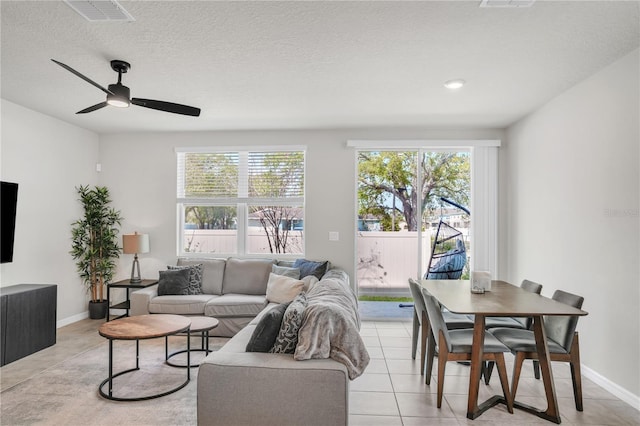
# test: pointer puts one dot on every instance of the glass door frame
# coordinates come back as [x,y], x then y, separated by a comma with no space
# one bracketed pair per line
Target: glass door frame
[484,173]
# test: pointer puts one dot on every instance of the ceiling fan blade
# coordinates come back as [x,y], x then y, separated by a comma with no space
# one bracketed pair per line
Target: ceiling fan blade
[92,108]
[87,79]
[167,106]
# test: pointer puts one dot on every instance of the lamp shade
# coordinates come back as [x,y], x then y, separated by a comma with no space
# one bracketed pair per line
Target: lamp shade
[135,243]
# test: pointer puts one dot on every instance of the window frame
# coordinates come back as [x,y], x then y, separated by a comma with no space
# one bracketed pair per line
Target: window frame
[242,204]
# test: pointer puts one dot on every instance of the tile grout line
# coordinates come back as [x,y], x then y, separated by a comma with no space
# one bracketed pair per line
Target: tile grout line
[395,396]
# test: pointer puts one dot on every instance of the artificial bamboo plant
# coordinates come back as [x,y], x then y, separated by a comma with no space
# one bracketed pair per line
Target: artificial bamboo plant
[95,240]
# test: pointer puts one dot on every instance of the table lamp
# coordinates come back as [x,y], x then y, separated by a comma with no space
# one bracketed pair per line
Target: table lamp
[134,244]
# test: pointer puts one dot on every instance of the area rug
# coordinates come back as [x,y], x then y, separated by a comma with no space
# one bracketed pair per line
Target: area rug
[67,393]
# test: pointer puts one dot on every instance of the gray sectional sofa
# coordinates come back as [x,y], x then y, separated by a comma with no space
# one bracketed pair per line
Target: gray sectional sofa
[235,387]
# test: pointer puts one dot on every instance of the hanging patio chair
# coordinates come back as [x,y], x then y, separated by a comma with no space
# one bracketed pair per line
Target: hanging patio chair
[448,254]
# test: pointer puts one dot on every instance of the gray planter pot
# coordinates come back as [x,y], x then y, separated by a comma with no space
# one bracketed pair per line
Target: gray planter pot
[98,310]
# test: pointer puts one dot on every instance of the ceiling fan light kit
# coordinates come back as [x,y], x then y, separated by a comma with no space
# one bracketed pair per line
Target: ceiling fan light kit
[119,95]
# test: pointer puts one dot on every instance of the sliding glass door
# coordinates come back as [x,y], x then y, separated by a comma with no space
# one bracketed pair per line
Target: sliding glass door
[400,209]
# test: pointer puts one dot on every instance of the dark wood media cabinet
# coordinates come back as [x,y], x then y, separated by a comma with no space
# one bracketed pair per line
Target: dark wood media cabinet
[28,322]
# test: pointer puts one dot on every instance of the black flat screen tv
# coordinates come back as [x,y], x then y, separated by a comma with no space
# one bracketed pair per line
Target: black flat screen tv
[8,204]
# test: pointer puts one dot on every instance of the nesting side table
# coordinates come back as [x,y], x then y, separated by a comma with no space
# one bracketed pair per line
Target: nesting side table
[138,328]
[200,325]
[127,284]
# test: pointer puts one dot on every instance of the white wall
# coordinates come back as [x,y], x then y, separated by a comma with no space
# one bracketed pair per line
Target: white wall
[572,197]
[140,170]
[48,159]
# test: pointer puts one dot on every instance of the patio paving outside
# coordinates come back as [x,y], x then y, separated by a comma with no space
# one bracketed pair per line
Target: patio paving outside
[385,311]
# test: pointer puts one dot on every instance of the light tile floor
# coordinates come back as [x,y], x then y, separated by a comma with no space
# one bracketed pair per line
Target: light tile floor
[392,391]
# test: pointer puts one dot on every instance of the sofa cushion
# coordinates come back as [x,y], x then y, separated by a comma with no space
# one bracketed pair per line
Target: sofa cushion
[246,276]
[310,267]
[192,304]
[288,335]
[212,273]
[235,305]
[173,282]
[195,277]
[281,289]
[286,271]
[266,330]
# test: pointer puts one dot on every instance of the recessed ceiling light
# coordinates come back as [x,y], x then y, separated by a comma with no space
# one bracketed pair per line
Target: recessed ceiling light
[454,84]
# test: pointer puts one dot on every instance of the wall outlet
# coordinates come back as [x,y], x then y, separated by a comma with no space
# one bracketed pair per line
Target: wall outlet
[334,236]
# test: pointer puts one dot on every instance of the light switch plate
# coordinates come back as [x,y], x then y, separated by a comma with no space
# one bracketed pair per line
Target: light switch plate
[334,236]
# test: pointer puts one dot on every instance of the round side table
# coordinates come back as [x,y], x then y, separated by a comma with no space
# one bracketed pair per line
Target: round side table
[200,325]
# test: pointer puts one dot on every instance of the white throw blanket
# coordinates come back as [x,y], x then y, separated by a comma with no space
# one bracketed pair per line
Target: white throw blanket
[330,327]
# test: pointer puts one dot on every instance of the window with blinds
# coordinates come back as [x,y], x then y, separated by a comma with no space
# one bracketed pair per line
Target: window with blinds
[234,202]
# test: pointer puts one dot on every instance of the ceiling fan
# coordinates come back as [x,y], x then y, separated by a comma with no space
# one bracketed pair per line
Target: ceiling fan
[118,94]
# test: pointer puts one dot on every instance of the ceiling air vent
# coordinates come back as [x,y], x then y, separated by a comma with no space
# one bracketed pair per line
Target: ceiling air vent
[100,10]
[507,3]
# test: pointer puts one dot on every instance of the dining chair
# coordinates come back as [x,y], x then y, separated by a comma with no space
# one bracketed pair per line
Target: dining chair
[515,322]
[523,323]
[455,345]
[562,340]
[421,326]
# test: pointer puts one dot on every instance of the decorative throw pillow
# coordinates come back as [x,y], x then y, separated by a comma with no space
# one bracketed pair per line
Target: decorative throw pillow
[266,331]
[309,267]
[281,289]
[287,263]
[288,334]
[173,282]
[286,271]
[195,277]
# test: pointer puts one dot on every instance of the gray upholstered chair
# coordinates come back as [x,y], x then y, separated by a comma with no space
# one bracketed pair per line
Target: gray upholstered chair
[515,322]
[420,323]
[457,321]
[562,340]
[455,345]
[522,323]
[421,326]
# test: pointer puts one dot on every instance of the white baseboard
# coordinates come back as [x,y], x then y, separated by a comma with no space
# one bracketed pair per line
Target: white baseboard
[608,385]
[85,314]
[72,319]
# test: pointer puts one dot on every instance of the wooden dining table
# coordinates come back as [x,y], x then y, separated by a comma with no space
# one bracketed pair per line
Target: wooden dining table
[503,300]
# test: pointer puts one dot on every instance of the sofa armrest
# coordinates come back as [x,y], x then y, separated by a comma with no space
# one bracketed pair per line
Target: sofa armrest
[139,300]
[251,388]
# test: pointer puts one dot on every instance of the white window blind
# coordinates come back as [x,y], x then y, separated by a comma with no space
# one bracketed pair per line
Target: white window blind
[278,175]
[264,175]
[207,175]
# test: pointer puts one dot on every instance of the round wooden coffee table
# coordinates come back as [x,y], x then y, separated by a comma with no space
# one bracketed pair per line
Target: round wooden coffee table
[138,328]
[200,325]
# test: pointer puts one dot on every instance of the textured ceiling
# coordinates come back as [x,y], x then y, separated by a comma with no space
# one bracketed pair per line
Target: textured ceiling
[265,65]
